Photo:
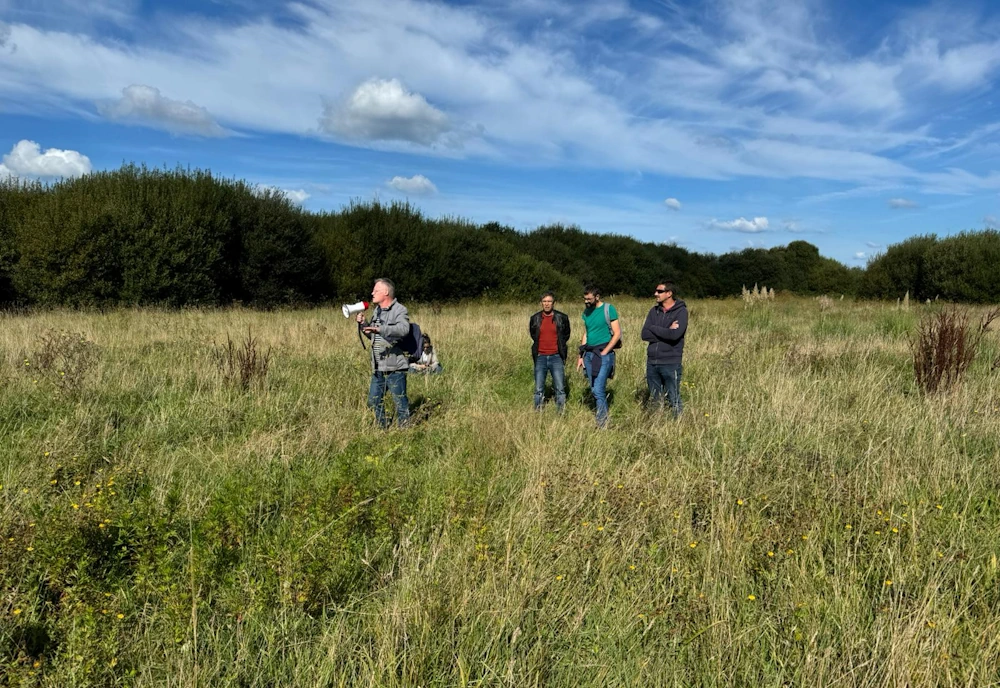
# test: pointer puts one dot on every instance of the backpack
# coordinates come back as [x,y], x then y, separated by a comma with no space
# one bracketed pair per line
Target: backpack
[607,317]
[412,343]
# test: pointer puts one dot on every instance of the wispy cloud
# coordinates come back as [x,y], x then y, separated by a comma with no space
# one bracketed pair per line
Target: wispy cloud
[992,221]
[741,224]
[760,88]
[902,204]
[417,185]
[26,159]
[145,105]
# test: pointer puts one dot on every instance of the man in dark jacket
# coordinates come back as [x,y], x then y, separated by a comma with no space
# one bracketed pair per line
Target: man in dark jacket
[665,327]
[549,330]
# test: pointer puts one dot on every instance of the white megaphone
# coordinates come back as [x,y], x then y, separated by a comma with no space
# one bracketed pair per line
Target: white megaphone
[349,309]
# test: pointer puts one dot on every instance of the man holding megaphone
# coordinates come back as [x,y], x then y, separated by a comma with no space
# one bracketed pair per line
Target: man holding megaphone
[389,324]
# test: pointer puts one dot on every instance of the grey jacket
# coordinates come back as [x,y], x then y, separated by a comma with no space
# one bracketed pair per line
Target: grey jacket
[394,324]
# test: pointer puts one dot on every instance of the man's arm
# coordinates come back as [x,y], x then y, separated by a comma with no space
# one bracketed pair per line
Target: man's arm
[396,328]
[647,330]
[616,334]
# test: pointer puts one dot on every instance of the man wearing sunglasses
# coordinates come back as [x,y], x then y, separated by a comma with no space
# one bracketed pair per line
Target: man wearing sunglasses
[664,329]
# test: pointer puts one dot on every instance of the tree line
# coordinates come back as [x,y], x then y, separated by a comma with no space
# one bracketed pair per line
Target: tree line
[140,236]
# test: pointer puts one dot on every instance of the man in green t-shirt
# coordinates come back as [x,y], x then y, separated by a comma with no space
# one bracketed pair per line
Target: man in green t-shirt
[602,334]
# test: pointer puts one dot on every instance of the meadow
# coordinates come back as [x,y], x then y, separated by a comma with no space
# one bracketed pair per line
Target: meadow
[813,519]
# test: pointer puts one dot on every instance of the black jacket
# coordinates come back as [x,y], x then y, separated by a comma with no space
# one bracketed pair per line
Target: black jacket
[666,346]
[562,332]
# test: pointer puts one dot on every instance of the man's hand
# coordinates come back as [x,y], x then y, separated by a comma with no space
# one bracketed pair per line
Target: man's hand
[675,325]
[370,330]
[360,317]
[579,363]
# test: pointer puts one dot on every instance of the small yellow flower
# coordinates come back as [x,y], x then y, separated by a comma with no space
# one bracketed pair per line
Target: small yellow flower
[600,528]
[559,577]
[931,624]
[120,615]
[751,597]
[895,530]
[770,554]
[888,583]
[31,549]
[631,567]
[46,453]
[76,506]
[939,507]
[739,502]
[878,532]
[805,537]
[586,524]
[620,486]
[848,526]
[693,545]
[17,612]
[789,551]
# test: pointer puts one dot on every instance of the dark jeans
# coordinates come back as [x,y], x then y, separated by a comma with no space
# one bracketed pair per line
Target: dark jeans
[598,384]
[664,380]
[395,384]
[551,363]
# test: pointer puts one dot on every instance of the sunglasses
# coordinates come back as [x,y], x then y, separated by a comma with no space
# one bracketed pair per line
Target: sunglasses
[660,291]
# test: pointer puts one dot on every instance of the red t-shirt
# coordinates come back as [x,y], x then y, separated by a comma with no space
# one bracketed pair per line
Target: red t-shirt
[547,342]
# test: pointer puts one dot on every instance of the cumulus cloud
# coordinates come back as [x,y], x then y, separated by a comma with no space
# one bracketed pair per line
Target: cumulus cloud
[992,221]
[902,203]
[384,110]
[26,159]
[672,203]
[417,185]
[145,105]
[860,255]
[297,196]
[741,224]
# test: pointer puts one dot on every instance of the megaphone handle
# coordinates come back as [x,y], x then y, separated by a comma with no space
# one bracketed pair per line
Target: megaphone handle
[361,338]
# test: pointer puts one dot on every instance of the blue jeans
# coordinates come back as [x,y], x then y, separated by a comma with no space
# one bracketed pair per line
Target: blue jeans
[664,380]
[551,363]
[598,385]
[395,383]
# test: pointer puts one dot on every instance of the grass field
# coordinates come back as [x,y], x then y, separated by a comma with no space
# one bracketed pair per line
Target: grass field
[811,520]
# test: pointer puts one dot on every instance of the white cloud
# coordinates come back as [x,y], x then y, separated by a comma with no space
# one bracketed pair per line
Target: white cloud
[26,159]
[860,255]
[902,203]
[872,244]
[417,185]
[761,88]
[757,224]
[672,203]
[146,105]
[383,110]
[992,221]
[297,196]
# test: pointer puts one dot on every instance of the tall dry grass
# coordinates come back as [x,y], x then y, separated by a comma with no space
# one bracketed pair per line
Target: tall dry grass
[811,520]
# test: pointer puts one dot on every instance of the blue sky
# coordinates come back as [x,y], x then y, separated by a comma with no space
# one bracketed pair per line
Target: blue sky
[716,125]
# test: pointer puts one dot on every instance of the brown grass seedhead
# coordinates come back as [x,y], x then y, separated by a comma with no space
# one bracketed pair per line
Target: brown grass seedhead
[64,357]
[945,347]
[243,365]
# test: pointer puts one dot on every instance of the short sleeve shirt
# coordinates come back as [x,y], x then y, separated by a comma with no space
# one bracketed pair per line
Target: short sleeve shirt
[598,331]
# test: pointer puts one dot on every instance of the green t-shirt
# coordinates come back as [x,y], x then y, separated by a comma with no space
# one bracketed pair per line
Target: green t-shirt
[598,331]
